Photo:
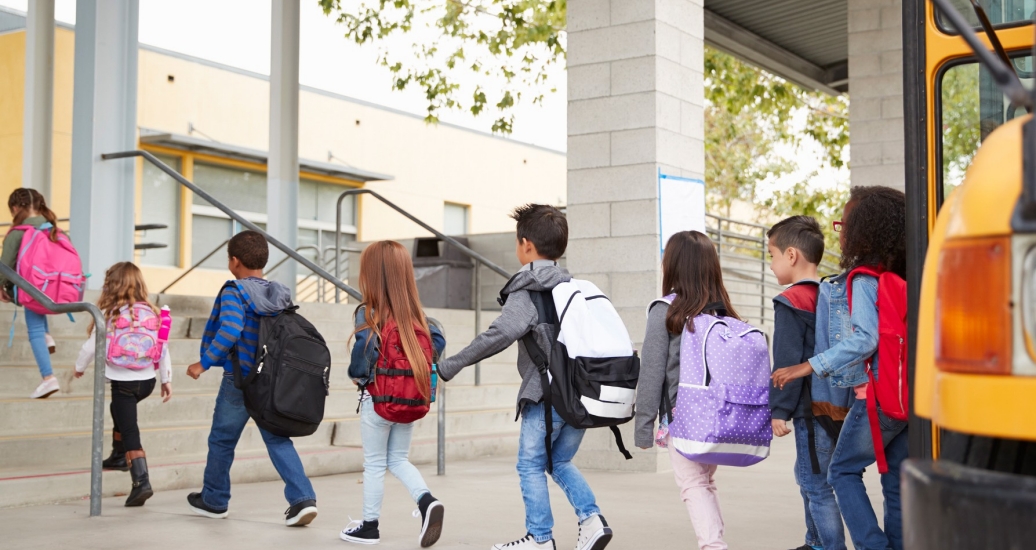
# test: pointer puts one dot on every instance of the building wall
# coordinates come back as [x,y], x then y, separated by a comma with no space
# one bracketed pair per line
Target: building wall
[876,84]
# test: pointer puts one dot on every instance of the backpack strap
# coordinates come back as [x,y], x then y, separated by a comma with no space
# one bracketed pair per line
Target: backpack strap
[811,434]
[872,415]
[540,360]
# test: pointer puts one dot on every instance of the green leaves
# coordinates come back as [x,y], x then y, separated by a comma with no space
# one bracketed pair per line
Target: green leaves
[512,43]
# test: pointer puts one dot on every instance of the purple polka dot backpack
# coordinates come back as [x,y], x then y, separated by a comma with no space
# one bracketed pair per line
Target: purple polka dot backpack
[722,412]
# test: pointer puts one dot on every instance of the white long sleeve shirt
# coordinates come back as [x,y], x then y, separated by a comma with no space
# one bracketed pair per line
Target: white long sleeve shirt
[112,372]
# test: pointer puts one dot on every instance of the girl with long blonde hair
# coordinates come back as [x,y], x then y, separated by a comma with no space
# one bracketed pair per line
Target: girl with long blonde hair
[391,304]
[132,324]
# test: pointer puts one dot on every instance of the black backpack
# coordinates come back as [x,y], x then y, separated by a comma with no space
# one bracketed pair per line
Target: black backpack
[573,379]
[285,391]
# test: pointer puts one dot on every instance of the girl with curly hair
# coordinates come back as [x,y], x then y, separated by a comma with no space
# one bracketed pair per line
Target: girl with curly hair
[872,233]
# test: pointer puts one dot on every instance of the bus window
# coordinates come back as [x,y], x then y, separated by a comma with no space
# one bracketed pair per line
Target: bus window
[1001,13]
[971,106]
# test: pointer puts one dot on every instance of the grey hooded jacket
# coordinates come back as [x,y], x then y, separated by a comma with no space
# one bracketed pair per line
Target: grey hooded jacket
[517,318]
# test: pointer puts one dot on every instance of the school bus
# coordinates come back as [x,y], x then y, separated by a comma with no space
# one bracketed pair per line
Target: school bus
[971,245]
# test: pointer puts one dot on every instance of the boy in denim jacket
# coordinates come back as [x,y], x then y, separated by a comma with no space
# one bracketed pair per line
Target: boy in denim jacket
[796,247]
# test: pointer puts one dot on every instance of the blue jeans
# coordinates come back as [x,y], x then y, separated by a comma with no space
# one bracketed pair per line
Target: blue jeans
[823,520]
[532,467]
[228,421]
[853,453]
[386,445]
[37,327]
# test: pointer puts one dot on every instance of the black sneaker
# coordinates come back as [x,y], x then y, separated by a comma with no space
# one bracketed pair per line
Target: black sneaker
[198,505]
[361,532]
[431,511]
[301,514]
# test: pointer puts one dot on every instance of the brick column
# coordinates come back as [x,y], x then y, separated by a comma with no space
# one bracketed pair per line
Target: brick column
[635,106]
[876,92]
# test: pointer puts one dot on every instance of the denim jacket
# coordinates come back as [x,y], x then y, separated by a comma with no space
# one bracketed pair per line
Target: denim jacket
[364,357]
[844,342]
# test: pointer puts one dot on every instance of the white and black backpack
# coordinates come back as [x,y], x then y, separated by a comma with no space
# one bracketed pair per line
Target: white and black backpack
[590,375]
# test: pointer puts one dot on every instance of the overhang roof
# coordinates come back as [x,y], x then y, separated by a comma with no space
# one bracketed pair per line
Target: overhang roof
[804,41]
[190,143]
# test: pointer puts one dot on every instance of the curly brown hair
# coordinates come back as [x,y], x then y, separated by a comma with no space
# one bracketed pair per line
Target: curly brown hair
[874,229]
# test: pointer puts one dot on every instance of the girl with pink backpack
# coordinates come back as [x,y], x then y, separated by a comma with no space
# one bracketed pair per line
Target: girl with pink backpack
[137,333]
[34,233]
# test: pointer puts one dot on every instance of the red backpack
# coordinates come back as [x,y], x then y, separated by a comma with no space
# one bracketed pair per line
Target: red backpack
[892,389]
[393,388]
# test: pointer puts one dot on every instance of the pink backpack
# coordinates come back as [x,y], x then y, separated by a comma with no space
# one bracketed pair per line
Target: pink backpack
[52,267]
[136,337]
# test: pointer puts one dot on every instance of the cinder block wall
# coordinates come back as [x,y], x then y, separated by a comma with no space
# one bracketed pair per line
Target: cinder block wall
[876,91]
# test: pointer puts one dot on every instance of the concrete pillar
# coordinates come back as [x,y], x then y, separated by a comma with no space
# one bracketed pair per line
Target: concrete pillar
[104,120]
[635,107]
[876,92]
[282,174]
[39,97]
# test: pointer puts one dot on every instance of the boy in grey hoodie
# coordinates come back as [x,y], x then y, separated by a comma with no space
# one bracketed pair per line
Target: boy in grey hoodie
[233,329]
[542,236]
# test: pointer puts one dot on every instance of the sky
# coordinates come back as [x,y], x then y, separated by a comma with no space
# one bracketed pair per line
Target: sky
[237,33]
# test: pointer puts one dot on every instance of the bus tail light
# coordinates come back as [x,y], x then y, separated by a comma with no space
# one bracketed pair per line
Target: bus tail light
[973,306]
[1028,299]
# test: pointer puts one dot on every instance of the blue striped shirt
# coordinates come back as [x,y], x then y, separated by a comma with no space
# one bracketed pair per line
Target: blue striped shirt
[231,325]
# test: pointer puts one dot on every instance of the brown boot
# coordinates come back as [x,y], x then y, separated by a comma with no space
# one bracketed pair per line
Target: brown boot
[141,482]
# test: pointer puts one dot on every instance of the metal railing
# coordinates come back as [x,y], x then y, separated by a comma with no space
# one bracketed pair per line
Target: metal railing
[196,265]
[100,345]
[238,218]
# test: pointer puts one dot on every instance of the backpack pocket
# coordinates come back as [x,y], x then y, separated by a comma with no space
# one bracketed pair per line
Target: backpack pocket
[606,387]
[743,414]
[298,380]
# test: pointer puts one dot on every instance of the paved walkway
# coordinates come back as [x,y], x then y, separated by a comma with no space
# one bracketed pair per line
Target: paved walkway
[761,506]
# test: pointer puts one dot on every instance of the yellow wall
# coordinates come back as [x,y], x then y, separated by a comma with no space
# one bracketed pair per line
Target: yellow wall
[431,164]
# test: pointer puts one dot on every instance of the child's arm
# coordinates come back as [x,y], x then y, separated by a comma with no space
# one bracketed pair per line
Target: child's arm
[230,324]
[363,352]
[654,360]
[516,318]
[165,373]
[438,342]
[789,336]
[86,355]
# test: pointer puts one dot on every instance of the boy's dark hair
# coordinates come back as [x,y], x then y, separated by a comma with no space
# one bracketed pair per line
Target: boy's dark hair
[544,226]
[874,229]
[802,233]
[250,248]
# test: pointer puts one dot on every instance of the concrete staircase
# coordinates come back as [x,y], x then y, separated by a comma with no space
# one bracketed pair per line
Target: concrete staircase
[45,444]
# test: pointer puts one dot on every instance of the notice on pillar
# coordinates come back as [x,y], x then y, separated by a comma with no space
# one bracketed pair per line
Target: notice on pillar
[681,206]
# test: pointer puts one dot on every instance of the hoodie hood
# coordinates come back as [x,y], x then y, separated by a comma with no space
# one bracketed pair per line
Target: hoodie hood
[264,297]
[535,278]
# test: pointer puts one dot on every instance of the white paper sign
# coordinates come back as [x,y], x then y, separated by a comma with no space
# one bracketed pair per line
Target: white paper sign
[681,206]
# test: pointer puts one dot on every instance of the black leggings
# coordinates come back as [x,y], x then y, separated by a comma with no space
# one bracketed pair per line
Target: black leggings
[125,396]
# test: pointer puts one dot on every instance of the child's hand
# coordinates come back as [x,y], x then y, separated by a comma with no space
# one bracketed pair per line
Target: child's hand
[781,377]
[780,427]
[195,370]
[167,391]
[78,374]
[4,296]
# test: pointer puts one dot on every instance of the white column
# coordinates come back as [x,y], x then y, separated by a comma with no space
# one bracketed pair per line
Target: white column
[635,106]
[39,97]
[876,85]
[282,185]
[104,120]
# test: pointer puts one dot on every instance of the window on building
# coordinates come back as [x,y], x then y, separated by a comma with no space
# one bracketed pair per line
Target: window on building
[455,219]
[160,204]
[245,192]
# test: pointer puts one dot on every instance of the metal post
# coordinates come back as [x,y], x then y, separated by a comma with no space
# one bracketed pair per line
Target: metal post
[762,281]
[39,97]
[282,183]
[478,316]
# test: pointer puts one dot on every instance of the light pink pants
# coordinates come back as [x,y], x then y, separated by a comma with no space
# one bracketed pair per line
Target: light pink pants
[698,492]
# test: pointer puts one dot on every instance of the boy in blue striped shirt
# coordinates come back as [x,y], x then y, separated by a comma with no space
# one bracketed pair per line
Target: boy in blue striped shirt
[233,328]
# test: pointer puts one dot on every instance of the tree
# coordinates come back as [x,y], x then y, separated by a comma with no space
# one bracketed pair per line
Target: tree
[823,204]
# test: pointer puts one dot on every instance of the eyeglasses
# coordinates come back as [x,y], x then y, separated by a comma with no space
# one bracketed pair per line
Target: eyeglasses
[837,225]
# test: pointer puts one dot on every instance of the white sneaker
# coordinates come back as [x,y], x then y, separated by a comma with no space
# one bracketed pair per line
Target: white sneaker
[46,388]
[51,345]
[594,534]
[528,542]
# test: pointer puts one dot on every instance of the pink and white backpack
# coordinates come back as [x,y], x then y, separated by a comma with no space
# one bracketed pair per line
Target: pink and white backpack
[53,267]
[136,336]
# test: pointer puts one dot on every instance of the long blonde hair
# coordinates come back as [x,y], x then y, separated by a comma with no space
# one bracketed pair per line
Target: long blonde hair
[390,292]
[123,286]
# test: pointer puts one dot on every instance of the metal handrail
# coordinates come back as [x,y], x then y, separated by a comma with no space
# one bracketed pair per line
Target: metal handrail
[100,345]
[193,267]
[237,217]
